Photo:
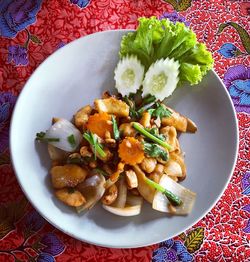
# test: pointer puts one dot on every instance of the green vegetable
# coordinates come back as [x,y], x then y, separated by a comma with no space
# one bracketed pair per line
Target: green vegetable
[115,129]
[79,160]
[155,139]
[133,113]
[92,139]
[148,99]
[175,200]
[156,39]
[41,137]
[154,131]
[100,171]
[160,111]
[154,150]
[71,140]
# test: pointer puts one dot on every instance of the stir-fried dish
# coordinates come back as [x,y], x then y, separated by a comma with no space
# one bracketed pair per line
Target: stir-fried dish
[124,148]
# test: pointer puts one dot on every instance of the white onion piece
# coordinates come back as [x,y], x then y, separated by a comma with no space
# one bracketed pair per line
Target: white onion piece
[125,212]
[172,168]
[62,129]
[122,194]
[188,197]
[146,191]
[92,189]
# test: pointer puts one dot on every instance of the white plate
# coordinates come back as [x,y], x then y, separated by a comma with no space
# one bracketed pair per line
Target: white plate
[74,76]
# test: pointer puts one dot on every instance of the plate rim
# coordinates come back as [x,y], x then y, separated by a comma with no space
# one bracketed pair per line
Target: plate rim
[26,89]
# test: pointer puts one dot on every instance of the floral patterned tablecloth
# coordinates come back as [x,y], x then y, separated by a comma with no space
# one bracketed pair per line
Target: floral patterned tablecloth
[30,30]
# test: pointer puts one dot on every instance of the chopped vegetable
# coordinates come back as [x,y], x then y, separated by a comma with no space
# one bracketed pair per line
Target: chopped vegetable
[127,211]
[93,142]
[129,75]
[100,171]
[148,100]
[154,150]
[115,129]
[99,124]
[161,78]
[175,200]
[155,139]
[160,111]
[146,191]
[156,39]
[154,131]
[71,140]
[133,113]
[161,203]
[131,151]
[92,189]
[41,136]
[61,130]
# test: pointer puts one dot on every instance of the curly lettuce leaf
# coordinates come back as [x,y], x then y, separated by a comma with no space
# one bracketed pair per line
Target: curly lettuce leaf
[155,39]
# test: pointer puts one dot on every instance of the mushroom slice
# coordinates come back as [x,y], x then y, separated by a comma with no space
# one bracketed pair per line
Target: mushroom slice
[161,203]
[92,189]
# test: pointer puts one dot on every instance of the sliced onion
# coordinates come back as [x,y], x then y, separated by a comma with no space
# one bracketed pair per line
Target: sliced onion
[63,129]
[146,191]
[125,212]
[161,203]
[92,189]
[122,194]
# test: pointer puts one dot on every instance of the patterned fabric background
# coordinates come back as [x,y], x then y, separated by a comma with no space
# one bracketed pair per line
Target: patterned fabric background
[30,30]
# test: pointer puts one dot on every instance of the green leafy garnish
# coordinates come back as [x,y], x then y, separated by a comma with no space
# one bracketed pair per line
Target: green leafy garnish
[159,111]
[153,138]
[154,131]
[100,171]
[154,150]
[79,160]
[148,99]
[156,39]
[133,113]
[115,129]
[173,199]
[92,139]
[71,140]
[41,137]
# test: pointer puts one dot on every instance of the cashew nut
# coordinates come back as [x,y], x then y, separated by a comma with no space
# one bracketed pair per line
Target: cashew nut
[148,164]
[110,195]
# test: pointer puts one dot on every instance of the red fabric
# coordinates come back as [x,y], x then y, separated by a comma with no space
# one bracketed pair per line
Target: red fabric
[224,233]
